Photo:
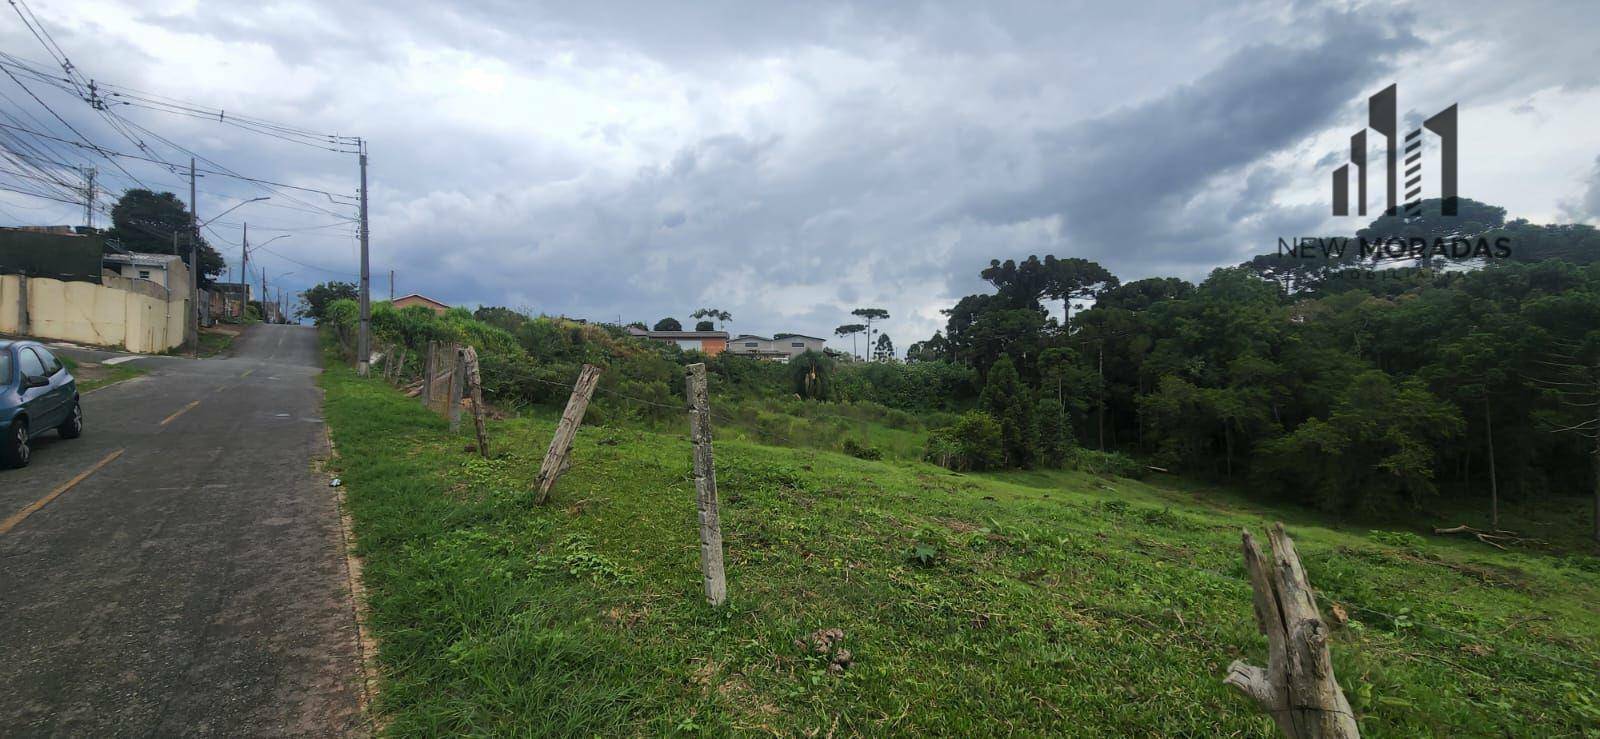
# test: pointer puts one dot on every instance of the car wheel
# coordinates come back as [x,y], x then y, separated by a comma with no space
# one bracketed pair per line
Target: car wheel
[72,428]
[14,450]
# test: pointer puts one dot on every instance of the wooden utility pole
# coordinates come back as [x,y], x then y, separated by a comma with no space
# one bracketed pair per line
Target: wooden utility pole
[469,361]
[457,380]
[1297,688]
[555,458]
[705,485]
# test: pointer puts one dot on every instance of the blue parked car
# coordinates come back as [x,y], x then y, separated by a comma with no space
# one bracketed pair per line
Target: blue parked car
[37,394]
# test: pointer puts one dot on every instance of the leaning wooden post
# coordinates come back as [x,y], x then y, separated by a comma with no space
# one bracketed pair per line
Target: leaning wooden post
[705,484]
[429,367]
[457,380]
[555,459]
[469,359]
[1297,687]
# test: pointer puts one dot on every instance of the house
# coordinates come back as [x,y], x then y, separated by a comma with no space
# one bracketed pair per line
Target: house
[710,342]
[158,268]
[228,299]
[779,348]
[424,301]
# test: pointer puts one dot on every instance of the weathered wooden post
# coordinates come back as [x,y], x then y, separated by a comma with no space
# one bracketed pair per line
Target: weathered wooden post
[469,360]
[555,459]
[430,365]
[458,375]
[705,485]
[1297,687]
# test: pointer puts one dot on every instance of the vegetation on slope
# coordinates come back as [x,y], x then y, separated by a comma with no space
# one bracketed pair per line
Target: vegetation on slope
[1026,602]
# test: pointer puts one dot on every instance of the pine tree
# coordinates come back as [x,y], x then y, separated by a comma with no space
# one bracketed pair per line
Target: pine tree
[1008,401]
[1055,435]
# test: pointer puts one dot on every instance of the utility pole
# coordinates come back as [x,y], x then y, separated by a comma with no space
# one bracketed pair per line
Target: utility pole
[264,298]
[194,265]
[88,196]
[364,339]
[391,286]
[244,273]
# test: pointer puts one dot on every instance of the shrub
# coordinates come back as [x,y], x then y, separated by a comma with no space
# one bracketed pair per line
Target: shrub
[972,443]
[861,450]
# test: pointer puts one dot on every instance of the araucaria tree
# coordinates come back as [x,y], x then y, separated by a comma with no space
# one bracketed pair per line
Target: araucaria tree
[869,315]
[850,330]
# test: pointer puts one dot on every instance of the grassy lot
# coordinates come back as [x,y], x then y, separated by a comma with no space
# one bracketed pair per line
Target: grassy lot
[217,340]
[92,376]
[1024,603]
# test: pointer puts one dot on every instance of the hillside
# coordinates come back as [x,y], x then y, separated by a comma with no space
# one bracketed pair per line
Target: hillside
[1024,602]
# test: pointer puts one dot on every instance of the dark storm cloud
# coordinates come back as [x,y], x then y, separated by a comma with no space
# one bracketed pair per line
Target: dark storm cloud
[791,161]
[1124,178]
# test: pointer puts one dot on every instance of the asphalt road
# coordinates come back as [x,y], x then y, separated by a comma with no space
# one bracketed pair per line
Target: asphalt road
[194,585]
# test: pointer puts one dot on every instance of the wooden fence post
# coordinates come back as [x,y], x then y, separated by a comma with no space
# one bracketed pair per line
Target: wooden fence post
[705,485]
[457,380]
[469,360]
[555,459]
[1297,687]
[430,365]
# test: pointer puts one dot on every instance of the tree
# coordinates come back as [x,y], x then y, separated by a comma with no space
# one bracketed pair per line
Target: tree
[145,221]
[721,316]
[1055,437]
[314,301]
[705,326]
[668,324]
[884,351]
[869,315]
[850,330]
[1074,279]
[812,373]
[1007,400]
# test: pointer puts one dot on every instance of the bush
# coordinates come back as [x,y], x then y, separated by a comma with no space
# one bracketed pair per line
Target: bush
[861,450]
[972,443]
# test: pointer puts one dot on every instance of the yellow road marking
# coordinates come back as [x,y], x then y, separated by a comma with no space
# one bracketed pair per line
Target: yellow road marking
[247,373]
[181,411]
[16,518]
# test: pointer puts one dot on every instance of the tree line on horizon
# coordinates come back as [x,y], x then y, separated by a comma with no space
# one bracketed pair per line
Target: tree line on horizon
[1336,383]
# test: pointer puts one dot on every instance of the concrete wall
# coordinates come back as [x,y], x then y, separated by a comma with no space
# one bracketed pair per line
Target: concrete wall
[137,315]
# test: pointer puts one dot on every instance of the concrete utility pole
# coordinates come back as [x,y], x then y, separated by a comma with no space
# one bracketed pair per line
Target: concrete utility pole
[88,196]
[264,298]
[194,265]
[391,286]
[244,273]
[364,339]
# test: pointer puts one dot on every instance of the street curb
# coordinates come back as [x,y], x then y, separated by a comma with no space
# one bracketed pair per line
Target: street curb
[366,644]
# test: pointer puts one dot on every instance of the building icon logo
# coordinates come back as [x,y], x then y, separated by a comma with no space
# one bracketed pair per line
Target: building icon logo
[1382,118]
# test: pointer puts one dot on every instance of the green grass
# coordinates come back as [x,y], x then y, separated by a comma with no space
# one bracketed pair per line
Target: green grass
[214,343]
[99,375]
[1023,603]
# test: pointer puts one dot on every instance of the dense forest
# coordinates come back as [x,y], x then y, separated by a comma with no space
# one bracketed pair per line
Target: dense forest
[1353,381]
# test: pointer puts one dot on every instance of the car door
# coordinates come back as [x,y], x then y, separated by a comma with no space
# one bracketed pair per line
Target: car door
[37,402]
[61,385]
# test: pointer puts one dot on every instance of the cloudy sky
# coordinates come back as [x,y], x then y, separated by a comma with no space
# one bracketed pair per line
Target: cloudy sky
[788,162]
